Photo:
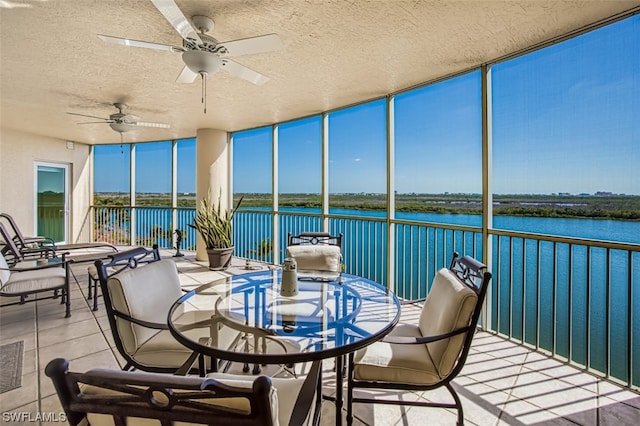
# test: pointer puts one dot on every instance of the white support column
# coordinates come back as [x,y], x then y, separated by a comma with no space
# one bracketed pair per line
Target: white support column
[275,239]
[391,196]
[92,193]
[325,171]
[174,190]
[212,173]
[132,194]
[487,187]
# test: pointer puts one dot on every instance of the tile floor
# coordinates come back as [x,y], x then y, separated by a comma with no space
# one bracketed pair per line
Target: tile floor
[502,383]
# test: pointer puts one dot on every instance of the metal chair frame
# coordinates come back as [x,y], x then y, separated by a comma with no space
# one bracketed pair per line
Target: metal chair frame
[116,264]
[314,238]
[63,288]
[471,273]
[168,398]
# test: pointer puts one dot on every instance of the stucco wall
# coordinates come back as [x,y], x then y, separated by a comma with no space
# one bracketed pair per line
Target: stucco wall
[18,153]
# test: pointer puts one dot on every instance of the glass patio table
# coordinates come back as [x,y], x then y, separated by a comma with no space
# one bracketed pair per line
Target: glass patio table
[326,319]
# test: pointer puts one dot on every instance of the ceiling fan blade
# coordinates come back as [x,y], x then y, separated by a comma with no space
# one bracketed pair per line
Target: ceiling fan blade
[248,46]
[186,76]
[138,43]
[244,72]
[95,122]
[177,19]
[148,124]
[90,116]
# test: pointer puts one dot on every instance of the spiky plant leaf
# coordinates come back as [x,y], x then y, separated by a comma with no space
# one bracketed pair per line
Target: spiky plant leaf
[214,225]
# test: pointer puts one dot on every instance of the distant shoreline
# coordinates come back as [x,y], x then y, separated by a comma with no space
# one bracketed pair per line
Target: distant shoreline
[608,206]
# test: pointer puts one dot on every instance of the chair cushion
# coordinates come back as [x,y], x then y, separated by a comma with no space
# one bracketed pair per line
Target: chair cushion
[5,273]
[145,293]
[316,257]
[93,272]
[163,350]
[286,389]
[395,363]
[449,306]
[33,281]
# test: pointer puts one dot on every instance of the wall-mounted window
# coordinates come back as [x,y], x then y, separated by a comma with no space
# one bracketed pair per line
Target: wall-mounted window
[300,164]
[566,135]
[438,152]
[153,174]
[252,165]
[153,193]
[111,175]
[357,159]
[186,179]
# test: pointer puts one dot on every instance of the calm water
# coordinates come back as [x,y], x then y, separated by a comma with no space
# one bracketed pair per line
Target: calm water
[542,293]
[595,229]
[552,295]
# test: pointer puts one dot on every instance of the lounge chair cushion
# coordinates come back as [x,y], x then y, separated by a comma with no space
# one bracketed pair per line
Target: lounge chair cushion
[5,274]
[321,258]
[17,283]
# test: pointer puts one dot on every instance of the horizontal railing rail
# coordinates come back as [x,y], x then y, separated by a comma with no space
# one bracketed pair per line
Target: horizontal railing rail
[575,299]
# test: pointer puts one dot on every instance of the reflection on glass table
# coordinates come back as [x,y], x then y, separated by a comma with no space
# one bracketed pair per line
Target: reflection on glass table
[325,319]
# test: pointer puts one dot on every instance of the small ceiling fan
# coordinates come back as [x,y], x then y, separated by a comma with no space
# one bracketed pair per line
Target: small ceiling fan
[121,122]
[202,54]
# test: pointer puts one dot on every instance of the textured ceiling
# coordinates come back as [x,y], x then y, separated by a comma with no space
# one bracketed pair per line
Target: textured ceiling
[337,53]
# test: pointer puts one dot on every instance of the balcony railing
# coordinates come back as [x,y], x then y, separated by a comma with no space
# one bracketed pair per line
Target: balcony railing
[572,298]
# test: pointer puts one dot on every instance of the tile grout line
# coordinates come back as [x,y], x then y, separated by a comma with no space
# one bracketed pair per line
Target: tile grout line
[511,390]
[95,318]
[37,347]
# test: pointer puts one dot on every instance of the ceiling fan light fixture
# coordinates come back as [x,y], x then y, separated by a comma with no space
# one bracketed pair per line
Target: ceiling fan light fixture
[200,61]
[122,127]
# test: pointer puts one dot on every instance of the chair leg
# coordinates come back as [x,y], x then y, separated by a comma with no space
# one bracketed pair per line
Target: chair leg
[95,294]
[454,394]
[339,384]
[89,287]
[319,398]
[350,391]
[201,366]
[66,293]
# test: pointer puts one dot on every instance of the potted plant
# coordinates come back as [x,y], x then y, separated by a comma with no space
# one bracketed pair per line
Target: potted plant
[214,226]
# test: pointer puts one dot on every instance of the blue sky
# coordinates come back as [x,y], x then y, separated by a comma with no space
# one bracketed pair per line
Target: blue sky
[564,119]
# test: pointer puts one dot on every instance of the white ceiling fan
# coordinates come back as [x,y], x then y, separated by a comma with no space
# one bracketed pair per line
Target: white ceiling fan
[202,54]
[121,122]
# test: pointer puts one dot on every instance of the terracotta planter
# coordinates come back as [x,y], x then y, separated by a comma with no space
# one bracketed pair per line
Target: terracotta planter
[220,258]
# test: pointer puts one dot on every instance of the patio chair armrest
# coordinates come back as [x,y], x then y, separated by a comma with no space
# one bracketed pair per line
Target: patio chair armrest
[41,241]
[408,340]
[126,255]
[40,250]
[148,324]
